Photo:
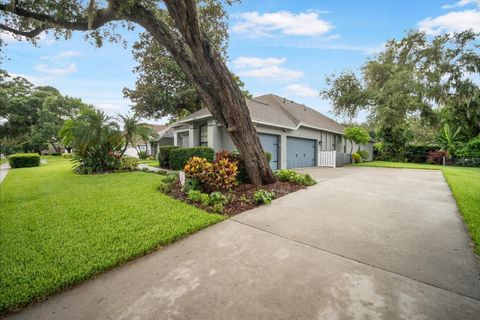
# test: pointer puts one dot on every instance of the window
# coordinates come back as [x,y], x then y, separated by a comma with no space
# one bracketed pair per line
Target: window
[203,135]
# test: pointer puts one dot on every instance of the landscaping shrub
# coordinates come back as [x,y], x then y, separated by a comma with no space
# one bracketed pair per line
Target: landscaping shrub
[234,156]
[356,157]
[167,183]
[436,157]
[191,184]
[418,153]
[472,148]
[216,201]
[364,154]
[287,175]
[180,156]
[128,163]
[223,175]
[263,197]
[198,196]
[24,160]
[67,155]
[164,155]
[219,175]
[142,155]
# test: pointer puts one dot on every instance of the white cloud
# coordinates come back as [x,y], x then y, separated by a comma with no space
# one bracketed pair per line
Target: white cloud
[301,90]
[461,3]
[283,22]
[56,72]
[452,22]
[266,68]
[62,55]
[255,62]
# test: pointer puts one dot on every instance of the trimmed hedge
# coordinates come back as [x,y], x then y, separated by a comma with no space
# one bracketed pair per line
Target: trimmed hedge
[178,157]
[24,160]
[164,155]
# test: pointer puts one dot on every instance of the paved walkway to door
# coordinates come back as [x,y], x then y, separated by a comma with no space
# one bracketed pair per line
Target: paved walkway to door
[364,243]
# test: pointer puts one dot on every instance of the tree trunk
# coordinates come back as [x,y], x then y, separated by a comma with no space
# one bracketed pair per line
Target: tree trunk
[214,82]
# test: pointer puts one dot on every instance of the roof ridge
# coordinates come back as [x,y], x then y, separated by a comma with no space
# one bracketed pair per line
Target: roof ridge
[285,110]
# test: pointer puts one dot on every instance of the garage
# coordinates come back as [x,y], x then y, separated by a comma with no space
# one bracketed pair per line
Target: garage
[270,144]
[300,152]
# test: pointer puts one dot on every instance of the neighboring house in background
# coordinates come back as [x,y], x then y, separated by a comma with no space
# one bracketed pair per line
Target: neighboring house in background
[296,135]
[165,137]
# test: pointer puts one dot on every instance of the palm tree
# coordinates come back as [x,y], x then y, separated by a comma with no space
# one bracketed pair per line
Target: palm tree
[133,129]
[95,138]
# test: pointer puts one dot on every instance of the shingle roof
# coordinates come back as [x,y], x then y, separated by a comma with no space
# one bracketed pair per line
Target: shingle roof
[303,114]
[274,110]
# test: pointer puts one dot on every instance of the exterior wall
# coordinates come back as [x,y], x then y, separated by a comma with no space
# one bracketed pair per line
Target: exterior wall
[218,139]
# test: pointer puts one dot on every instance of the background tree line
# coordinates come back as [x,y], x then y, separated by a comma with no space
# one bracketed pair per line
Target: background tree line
[418,91]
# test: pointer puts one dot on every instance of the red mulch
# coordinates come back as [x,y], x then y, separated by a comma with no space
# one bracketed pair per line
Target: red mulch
[236,205]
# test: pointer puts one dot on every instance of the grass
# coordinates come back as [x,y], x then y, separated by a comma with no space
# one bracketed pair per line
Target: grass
[465,186]
[59,228]
[153,163]
[2,161]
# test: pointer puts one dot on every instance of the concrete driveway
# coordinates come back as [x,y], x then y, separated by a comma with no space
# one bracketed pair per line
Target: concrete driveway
[364,243]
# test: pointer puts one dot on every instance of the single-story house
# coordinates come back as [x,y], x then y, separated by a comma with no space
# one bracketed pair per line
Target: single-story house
[164,137]
[295,135]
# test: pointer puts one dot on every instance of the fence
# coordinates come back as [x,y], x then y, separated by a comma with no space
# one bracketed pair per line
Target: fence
[327,159]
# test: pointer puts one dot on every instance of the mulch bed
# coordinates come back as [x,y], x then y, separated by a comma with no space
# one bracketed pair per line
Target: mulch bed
[237,204]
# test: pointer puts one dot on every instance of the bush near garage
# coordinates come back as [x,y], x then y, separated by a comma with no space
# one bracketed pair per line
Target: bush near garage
[179,156]
[364,154]
[24,160]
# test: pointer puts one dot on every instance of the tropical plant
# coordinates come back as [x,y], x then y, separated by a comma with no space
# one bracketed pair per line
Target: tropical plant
[263,196]
[448,140]
[96,139]
[356,157]
[133,130]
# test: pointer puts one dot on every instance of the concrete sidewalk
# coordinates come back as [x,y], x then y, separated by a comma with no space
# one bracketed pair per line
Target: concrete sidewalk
[4,168]
[363,244]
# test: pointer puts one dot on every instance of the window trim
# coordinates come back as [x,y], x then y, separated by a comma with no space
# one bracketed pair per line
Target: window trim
[203,143]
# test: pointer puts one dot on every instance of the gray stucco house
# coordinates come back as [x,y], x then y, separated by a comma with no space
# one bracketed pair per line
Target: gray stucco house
[295,135]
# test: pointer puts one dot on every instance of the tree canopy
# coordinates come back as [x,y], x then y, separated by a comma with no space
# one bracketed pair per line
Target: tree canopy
[414,86]
[32,115]
[176,26]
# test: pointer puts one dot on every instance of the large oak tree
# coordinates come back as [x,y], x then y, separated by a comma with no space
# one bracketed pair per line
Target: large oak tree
[175,25]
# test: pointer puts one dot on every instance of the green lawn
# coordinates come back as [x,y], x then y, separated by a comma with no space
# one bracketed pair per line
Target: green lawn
[58,228]
[153,163]
[2,161]
[465,186]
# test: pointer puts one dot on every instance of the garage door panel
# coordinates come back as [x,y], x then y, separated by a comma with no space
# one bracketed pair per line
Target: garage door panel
[300,152]
[270,144]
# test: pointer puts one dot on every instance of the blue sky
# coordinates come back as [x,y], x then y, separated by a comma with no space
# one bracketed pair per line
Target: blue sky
[281,47]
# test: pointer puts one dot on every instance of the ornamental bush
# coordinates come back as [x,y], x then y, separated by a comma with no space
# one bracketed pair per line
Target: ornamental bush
[356,157]
[263,197]
[436,157]
[164,155]
[128,163]
[287,175]
[142,155]
[179,156]
[219,175]
[364,154]
[242,175]
[24,160]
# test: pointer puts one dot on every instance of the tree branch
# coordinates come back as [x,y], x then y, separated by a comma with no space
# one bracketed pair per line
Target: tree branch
[102,16]
[29,34]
